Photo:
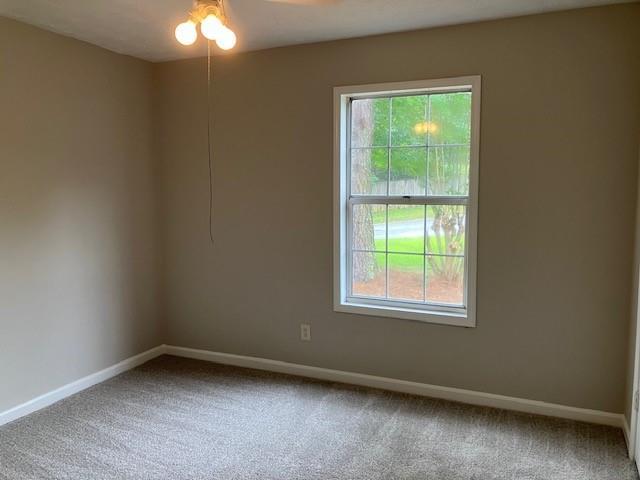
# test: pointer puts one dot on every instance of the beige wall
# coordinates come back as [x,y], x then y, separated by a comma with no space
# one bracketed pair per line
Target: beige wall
[77,213]
[558,169]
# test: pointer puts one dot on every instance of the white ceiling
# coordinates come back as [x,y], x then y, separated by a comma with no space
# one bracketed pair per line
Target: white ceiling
[144,28]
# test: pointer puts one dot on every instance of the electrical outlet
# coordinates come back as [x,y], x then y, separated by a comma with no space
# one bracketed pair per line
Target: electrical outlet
[305,332]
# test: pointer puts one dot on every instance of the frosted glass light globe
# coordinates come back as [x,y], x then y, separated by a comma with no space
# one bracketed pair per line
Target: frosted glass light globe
[186,33]
[211,27]
[226,39]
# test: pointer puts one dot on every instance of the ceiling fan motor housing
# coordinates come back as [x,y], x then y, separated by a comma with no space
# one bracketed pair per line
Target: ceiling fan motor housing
[203,8]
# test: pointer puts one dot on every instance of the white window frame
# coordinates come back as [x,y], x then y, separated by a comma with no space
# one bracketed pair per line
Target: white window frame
[448,315]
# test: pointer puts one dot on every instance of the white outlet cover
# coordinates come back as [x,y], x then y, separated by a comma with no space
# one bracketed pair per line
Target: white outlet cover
[305,332]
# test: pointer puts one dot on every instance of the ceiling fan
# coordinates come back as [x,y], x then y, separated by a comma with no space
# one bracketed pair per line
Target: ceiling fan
[305,2]
[211,16]
[214,25]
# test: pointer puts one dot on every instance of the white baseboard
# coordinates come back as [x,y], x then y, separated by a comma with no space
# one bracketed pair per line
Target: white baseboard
[423,389]
[79,385]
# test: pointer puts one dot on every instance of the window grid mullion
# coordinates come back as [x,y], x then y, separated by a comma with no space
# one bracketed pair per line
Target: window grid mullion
[389,147]
[426,191]
[386,256]
[426,152]
[424,257]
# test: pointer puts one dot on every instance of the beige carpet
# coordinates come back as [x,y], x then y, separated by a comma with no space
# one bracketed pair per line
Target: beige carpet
[183,419]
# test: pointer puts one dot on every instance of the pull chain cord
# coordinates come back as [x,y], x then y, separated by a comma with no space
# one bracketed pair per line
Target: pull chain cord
[209,141]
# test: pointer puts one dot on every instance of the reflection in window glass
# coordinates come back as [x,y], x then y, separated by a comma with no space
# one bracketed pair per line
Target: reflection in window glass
[408,116]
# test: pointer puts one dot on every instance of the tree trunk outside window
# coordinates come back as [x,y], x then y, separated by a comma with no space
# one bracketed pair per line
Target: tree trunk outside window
[364,264]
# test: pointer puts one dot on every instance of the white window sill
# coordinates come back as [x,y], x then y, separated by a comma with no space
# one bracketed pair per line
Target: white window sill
[427,316]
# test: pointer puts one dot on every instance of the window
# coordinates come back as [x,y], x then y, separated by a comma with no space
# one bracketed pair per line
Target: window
[406,181]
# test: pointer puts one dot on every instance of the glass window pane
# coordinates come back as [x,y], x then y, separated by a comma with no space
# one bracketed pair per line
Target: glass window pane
[450,118]
[406,277]
[445,279]
[406,228]
[369,171]
[448,170]
[408,119]
[370,122]
[409,145]
[369,227]
[446,229]
[408,171]
[369,275]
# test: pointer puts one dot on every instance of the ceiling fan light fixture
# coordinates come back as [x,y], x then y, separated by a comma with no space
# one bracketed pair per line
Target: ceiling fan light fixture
[226,39]
[213,25]
[186,33]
